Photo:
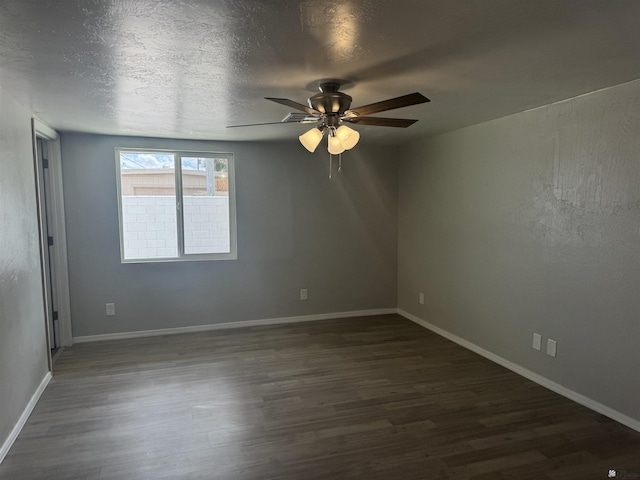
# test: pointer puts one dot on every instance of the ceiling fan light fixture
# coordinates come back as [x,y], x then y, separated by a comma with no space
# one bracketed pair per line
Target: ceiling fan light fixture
[311,139]
[348,136]
[335,145]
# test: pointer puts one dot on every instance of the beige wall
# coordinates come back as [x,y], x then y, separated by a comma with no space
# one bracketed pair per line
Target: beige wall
[23,348]
[531,223]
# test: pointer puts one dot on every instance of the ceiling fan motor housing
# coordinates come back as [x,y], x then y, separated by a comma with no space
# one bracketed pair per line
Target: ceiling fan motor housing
[330,100]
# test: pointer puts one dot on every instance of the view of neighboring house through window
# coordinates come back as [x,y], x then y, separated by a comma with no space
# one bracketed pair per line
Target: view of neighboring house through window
[175,205]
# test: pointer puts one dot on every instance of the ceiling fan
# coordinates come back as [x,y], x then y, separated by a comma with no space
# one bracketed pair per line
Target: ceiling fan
[331,110]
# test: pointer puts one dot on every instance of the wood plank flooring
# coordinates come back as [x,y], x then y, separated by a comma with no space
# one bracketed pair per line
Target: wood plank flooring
[367,398]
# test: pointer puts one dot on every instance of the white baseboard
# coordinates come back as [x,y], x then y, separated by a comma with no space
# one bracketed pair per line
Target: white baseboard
[239,324]
[6,446]
[540,380]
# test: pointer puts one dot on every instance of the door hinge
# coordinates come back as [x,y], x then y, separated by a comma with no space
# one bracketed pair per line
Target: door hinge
[45,163]
[50,241]
[55,315]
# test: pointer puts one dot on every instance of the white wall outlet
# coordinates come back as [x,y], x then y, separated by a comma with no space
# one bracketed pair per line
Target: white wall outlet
[303,294]
[111,309]
[537,341]
[421,298]
[552,347]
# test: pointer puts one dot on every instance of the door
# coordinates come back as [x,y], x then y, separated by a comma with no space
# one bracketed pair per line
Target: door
[52,313]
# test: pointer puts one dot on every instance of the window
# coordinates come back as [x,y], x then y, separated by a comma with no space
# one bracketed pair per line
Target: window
[175,205]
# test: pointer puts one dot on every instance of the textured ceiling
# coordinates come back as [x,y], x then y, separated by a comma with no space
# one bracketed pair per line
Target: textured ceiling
[188,68]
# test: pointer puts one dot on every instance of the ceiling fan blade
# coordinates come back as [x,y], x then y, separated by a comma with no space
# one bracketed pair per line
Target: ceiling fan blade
[296,105]
[258,124]
[391,104]
[295,117]
[381,122]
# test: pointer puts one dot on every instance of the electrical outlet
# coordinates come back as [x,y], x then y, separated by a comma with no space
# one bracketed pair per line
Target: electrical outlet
[552,347]
[303,294]
[111,309]
[421,298]
[537,341]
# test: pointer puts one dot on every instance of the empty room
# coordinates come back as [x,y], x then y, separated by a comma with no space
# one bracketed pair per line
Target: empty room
[304,239]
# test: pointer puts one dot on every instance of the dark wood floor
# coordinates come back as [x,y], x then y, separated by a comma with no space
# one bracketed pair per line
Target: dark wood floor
[367,398]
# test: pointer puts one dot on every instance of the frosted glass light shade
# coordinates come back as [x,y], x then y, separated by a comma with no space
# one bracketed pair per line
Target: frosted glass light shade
[335,145]
[311,139]
[348,137]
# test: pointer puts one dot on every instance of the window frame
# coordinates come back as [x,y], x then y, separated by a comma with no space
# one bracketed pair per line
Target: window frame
[177,162]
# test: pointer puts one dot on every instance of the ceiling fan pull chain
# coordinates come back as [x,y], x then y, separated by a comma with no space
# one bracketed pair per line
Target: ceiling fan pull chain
[330,165]
[340,164]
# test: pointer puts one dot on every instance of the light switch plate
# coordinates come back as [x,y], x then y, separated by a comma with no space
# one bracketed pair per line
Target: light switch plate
[421,298]
[552,346]
[537,341]
[303,294]
[111,309]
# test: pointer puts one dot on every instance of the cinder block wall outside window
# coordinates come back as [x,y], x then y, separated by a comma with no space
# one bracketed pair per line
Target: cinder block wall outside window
[150,225]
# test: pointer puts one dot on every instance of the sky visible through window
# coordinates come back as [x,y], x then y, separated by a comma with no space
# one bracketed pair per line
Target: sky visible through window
[136,161]
[145,160]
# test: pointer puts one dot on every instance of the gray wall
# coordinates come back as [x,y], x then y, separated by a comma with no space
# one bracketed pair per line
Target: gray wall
[23,348]
[296,229]
[531,223]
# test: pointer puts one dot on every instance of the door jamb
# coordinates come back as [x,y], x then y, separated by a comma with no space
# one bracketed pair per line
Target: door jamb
[57,228]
